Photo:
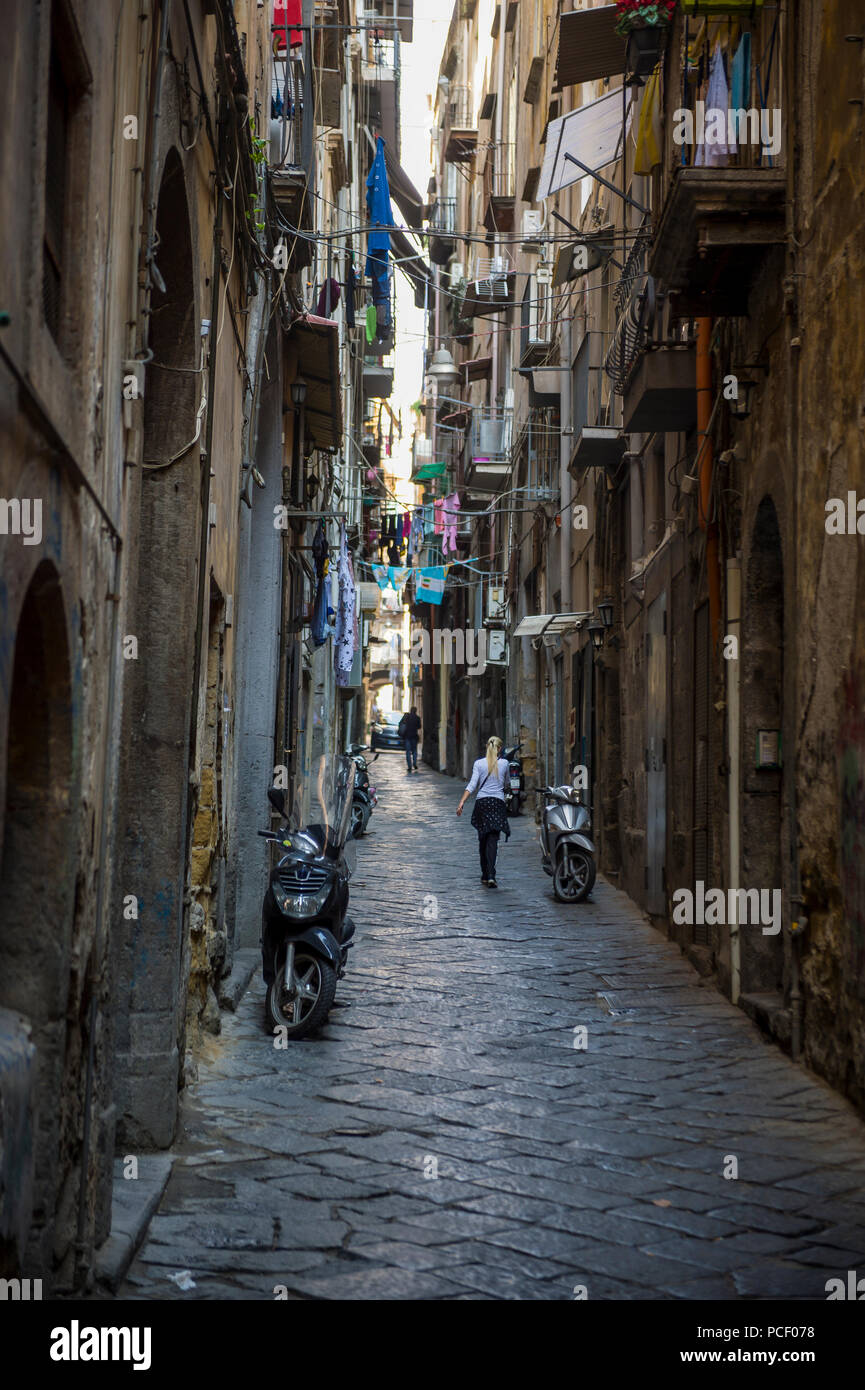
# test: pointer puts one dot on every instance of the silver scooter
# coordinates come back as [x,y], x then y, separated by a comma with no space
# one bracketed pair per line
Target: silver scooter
[566,846]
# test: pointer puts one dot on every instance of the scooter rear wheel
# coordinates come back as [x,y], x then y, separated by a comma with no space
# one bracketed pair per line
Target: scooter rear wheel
[308,1010]
[574,877]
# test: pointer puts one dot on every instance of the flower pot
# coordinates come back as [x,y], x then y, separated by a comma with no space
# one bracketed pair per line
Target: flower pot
[645,48]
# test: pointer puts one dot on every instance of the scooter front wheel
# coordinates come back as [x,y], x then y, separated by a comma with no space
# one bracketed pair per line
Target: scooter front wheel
[307,1009]
[357,826]
[574,877]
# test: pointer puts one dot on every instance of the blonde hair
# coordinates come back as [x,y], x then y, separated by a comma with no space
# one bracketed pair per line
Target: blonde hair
[494,747]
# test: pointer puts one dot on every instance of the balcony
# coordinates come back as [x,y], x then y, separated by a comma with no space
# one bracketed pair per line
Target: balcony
[442,230]
[493,289]
[538,441]
[291,147]
[461,131]
[724,205]
[598,438]
[377,379]
[500,179]
[489,460]
[380,74]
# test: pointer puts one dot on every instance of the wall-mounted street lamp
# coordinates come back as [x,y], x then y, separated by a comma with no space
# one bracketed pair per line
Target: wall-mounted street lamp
[596,631]
[740,408]
[298,392]
[605,609]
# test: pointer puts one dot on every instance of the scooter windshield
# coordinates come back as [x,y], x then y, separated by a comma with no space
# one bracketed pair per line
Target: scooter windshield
[331,788]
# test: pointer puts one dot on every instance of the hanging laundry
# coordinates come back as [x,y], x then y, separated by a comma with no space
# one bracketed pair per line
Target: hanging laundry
[438,523]
[345,634]
[430,584]
[714,149]
[649,139]
[394,553]
[450,515]
[371,322]
[416,539]
[397,575]
[378,242]
[406,525]
[380,575]
[350,288]
[321,308]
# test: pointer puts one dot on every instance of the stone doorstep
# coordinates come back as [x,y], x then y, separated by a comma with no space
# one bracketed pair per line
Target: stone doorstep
[770,1014]
[235,985]
[134,1202]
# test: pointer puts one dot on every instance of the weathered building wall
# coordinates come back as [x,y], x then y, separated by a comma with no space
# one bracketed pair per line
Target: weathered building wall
[61,612]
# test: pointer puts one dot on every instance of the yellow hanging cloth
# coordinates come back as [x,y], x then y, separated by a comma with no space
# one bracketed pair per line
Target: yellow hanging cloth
[648,151]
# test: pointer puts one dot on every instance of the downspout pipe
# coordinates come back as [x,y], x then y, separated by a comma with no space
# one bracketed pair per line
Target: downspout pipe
[734,735]
[707,463]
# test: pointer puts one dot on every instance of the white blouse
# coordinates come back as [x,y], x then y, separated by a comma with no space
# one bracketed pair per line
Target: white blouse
[487,783]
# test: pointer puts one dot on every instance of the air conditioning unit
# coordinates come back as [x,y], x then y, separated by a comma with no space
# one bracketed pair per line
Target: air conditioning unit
[532,221]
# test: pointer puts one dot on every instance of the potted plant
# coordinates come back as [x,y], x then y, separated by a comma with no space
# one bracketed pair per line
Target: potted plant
[644,24]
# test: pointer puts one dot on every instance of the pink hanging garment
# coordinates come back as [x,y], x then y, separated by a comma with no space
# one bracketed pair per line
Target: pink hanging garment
[438,523]
[406,525]
[450,513]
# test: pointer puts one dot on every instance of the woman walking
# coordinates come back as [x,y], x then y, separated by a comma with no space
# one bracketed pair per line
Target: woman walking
[490,779]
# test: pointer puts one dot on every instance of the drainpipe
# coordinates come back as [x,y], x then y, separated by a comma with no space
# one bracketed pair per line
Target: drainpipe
[734,734]
[706,454]
[798,914]
[566,443]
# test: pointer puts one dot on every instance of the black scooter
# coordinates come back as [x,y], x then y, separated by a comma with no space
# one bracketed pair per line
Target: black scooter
[305,931]
[515,797]
[365,799]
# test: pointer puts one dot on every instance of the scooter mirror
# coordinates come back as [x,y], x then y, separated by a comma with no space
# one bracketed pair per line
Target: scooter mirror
[276,797]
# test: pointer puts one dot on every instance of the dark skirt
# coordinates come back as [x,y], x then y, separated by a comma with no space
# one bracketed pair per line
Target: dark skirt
[490,814]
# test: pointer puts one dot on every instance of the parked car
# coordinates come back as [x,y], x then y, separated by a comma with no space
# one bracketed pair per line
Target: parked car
[384,731]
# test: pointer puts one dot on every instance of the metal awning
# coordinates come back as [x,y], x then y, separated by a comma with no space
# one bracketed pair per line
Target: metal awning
[589,47]
[411,263]
[403,191]
[477,369]
[549,624]
[584,141]
[317,343]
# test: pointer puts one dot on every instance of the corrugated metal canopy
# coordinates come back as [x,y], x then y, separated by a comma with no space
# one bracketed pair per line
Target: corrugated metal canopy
[589,47]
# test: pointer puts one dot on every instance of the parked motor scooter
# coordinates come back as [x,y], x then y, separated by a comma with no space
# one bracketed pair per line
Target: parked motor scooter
[516,795]
[364,799]
[306,932]
[568,853]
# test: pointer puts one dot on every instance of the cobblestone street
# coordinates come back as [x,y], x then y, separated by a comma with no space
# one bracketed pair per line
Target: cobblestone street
[314,1168]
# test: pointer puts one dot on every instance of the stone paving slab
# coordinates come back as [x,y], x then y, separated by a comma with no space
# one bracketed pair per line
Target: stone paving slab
[444,1139]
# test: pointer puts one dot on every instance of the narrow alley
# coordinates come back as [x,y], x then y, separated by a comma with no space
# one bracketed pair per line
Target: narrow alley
[444,1138]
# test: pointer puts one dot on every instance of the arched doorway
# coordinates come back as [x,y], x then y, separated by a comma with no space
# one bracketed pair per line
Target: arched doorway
[158,695]
[37,869]
[762,956]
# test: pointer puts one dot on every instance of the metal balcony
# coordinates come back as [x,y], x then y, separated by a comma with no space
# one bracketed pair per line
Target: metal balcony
[489,458]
